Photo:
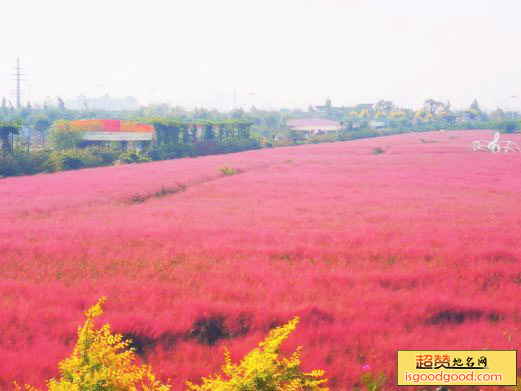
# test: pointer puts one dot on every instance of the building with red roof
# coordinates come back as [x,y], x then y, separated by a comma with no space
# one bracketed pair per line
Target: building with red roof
[108,129]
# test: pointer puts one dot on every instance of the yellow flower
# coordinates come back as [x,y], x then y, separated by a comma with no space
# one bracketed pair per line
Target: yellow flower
[263,369]
[101,361]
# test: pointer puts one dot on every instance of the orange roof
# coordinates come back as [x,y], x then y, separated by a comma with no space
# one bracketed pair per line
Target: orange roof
[108,125]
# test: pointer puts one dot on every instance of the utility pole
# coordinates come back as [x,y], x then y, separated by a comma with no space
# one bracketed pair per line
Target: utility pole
[513,105]
[18,74]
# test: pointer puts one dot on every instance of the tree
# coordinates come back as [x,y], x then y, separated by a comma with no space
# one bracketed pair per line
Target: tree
[61,104]
[39,120]
[397,114]
[272,118]
[432,106]
[446,115]
[42,125]
[328,108]
[7,131]
[498,115]
[475,106]
[202,113]
[237,113]
[474,111]
[385,106]
[62,140]
[364,114]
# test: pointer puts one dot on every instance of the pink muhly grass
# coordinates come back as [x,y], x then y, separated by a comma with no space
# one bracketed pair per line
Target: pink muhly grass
[409,249]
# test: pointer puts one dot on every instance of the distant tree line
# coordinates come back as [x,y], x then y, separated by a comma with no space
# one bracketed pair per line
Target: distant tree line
[434,114]
[28,143]
[65,149]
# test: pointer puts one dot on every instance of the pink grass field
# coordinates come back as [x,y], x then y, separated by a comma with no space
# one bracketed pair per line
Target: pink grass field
[418,247]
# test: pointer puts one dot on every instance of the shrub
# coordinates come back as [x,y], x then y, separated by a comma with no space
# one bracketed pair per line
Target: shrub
[73,159]
[23,163]
[509,126]
[38,161]
[323,138]
[65,140]
[9,165]
[102,361]
[106,155]
[378,151]
[133,157]
[263,369]
[228,171]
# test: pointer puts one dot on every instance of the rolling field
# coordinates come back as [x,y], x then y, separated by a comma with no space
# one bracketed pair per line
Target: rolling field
[402,242]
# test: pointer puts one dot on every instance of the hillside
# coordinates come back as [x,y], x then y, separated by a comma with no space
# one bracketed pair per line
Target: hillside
[400,242]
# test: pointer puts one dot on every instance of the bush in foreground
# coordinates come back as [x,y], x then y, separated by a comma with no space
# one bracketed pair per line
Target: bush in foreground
[102,361]
[263,369]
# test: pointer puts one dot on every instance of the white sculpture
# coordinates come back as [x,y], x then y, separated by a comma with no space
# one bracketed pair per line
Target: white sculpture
[495,145]
[509,146]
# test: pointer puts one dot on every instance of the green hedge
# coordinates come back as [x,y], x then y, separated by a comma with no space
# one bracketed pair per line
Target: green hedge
[23,163]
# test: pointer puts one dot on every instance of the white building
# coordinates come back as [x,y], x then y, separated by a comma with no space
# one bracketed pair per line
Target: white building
[314,125]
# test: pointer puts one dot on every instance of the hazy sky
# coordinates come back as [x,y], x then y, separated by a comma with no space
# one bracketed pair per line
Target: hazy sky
[274,53]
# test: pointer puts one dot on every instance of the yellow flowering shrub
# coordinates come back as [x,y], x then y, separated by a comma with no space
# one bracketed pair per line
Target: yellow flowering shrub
[263,369]
[102,361]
